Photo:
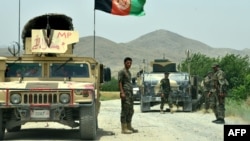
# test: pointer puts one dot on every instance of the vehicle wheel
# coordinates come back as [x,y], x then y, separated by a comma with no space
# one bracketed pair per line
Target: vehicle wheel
[145,106]
[194,105]
[188,105]
[88,122]
[97,125]
[15,129]
[2,126]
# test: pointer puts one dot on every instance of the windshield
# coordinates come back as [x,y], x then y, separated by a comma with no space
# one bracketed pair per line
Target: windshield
[69,70]
[179,76]
[23,69]
[153,78]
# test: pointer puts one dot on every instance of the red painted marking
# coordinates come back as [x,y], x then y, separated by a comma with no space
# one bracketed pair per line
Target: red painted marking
[7,97]
[64,34]
[72,97]
[39,105]
[88,86]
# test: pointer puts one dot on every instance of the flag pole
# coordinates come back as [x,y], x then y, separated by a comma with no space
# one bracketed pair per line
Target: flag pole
[19,31]
[19,11]
[94,36]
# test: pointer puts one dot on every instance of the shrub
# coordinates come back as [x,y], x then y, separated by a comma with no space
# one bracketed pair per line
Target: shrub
[111,85]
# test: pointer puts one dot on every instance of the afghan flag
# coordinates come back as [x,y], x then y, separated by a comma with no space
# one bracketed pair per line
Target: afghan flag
[121,7]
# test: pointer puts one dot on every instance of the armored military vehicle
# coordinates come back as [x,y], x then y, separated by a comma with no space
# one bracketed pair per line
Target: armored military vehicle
[136,92]
[47,82]
[184,87]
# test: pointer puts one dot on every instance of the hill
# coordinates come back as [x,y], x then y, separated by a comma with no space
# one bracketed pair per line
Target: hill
[156,44]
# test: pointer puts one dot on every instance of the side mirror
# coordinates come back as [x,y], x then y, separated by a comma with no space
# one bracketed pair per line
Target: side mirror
[107,74]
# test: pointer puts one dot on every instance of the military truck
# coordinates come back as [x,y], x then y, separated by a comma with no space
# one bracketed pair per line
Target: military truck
[47,82]
[136,92]
[184,88]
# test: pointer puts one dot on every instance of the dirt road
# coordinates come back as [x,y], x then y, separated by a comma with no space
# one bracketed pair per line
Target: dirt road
[153,126]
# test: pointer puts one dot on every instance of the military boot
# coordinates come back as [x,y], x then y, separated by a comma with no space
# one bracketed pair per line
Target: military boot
[219,121]
[171,110]
[206,111]
[129,126]
[162,112]
[125,129]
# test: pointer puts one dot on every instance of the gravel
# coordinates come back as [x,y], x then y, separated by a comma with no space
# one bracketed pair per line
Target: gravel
[179,126]
[152,126]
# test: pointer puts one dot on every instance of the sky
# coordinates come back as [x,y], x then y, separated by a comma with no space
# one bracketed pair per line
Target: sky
[217,23]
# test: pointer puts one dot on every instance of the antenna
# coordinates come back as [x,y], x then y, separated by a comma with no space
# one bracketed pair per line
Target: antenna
[48,32]
[48,27]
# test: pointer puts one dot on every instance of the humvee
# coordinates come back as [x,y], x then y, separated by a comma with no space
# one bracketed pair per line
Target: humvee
[47,82]
[184,88]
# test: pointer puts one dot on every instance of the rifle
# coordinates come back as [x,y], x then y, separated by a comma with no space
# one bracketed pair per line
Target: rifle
[218,93]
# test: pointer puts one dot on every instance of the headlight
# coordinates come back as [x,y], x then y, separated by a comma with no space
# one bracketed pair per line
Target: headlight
[64,98]
[15,98]
[84,93]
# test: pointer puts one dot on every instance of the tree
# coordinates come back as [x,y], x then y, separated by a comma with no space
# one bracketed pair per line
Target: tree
[200,64]
[236,68]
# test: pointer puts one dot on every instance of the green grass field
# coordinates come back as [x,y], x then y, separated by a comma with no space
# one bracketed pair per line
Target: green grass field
[239,109]
[109,95]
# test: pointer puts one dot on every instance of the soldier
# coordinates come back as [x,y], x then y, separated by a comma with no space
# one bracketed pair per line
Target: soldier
[165,93]
[207,85]
[218,94]
[126,94]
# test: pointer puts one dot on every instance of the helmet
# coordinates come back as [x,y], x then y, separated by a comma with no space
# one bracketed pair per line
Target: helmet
[166,73]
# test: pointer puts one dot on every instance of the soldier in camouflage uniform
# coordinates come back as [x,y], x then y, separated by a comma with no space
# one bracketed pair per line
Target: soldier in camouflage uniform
[207,85]
[165,90]
[126,94]
[218,94]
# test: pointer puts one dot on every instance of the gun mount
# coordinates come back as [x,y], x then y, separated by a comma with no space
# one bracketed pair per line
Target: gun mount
[48,83]
[49,35]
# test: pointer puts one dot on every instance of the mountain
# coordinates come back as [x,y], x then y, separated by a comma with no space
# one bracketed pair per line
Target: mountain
[154,45]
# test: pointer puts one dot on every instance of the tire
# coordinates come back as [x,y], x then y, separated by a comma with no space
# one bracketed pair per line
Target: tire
[2,126]
[88,122]
[188,105]
[15,129]
[194,105]
[145,106]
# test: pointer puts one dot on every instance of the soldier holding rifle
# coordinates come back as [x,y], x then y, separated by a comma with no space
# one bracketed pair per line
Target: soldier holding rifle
[218,94]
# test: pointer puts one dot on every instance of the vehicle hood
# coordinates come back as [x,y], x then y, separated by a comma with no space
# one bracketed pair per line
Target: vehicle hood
[46,85]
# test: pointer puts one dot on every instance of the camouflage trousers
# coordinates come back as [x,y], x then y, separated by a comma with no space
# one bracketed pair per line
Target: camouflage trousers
[127,109]
[217,104]
[166,98]
[206,100]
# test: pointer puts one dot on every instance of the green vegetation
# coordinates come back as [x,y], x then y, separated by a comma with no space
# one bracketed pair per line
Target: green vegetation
[238,109]
[111,85]
[110,90]
[236,68]
[105,95]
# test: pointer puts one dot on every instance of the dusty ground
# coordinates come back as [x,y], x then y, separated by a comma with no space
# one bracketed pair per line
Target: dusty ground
[180,126]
